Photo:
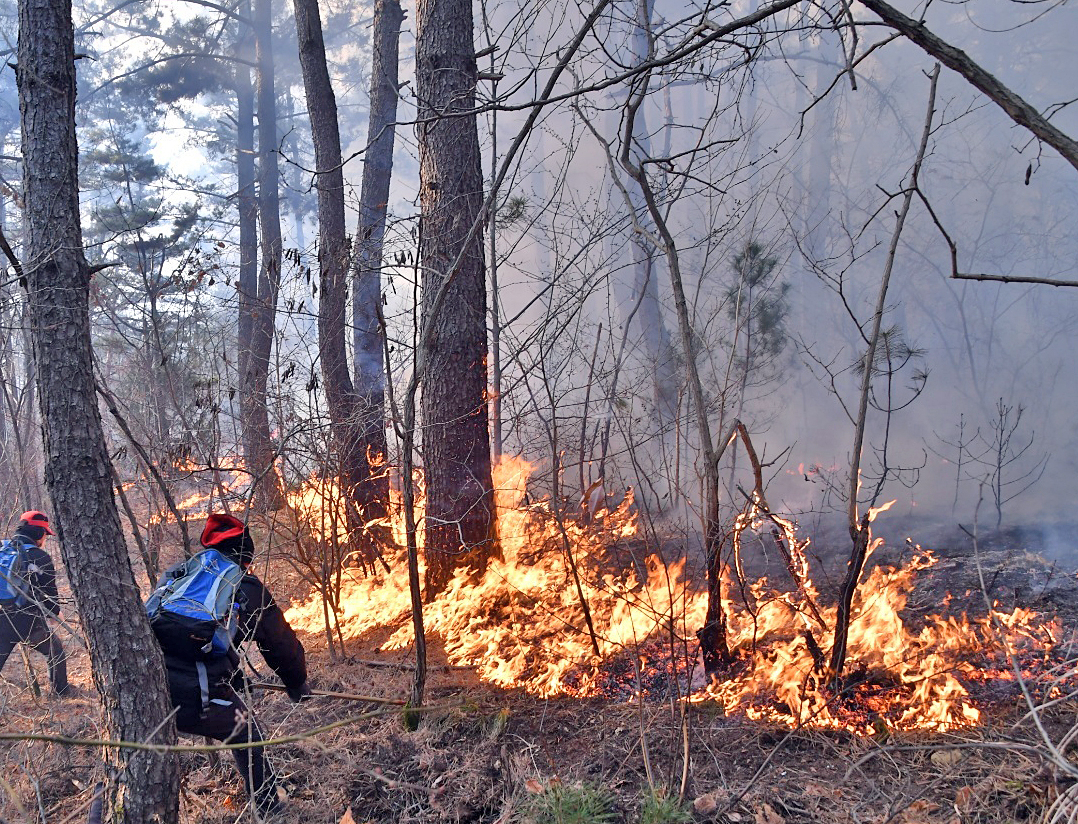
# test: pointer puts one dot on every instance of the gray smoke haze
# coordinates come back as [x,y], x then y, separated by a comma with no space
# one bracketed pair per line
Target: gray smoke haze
[765,144]
[818,192]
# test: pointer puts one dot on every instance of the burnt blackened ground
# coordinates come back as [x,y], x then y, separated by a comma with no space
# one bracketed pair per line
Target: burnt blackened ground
[1031,567]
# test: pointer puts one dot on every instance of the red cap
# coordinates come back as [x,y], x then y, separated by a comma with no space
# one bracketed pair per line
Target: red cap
[34,517]
[219,527]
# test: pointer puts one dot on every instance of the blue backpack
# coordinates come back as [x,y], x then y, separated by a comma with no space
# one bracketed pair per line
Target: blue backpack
[194,613]
[14,586]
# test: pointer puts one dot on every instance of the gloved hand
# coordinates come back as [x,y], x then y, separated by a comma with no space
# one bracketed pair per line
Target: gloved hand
[300,693]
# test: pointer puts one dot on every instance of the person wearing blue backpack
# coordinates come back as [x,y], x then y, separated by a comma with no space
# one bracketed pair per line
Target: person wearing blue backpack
[28,594]
[203,611]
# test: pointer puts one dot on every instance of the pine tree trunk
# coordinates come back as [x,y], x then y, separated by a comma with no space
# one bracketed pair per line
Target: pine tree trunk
[348,411]
[255,411]
[247,206]
[460,516]
[370,370]
[128,668]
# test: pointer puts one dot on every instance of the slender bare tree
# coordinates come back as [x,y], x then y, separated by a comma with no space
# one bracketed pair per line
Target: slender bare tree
[370,373]
[356,411]
[247,203]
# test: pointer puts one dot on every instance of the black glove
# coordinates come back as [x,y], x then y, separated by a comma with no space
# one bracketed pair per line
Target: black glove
[300,693]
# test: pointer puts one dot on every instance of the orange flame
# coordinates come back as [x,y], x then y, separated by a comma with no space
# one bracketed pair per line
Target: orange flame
[229,477]
[523,624]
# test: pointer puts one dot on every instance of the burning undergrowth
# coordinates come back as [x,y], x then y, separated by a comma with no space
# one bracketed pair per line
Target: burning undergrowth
[631,632]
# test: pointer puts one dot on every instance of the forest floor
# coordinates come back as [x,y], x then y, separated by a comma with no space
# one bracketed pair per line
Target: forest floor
[483,754]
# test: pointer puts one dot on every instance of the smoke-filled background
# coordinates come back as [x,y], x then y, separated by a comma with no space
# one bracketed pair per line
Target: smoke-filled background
[778,158]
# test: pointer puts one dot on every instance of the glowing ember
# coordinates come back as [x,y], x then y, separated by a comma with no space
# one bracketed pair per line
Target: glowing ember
[523,626]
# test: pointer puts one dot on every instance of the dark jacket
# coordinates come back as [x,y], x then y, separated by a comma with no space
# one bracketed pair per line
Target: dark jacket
[259,618]
[41,576]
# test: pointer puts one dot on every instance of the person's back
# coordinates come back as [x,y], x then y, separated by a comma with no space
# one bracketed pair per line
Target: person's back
[200,687]
[23,619]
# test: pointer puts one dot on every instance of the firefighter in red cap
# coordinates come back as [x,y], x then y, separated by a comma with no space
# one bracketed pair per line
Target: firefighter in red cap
[28,594]
[201,677]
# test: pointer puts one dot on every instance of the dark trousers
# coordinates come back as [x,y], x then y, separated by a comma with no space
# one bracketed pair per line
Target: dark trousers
[30,628]
[225,718]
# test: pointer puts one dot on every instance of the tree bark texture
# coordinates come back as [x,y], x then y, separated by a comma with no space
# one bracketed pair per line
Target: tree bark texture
[370,370]
[254,402]
[349,412]
[247,205]
[128,668]
[460,514]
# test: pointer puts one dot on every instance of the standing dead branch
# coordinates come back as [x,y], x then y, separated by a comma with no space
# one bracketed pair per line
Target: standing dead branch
[148,463]
[859,526]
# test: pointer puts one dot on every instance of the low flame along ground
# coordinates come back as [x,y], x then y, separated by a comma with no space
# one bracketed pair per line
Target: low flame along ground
[522,627]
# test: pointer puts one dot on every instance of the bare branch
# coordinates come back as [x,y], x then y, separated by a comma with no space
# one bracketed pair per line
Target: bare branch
[859,526]
[957,60]
[6,247]
[1014,279]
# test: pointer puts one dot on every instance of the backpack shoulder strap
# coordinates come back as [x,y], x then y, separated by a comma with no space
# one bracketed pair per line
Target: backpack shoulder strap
[15,545]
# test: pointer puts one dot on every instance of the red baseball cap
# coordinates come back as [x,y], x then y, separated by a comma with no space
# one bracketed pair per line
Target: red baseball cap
[34,517]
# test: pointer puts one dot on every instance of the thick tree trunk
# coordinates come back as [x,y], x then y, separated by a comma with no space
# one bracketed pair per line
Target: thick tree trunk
[348,411]
[460,515]
[128,668]
[256,427]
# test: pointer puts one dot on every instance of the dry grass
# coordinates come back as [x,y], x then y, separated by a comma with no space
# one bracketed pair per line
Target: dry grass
[480,761]
[486,752]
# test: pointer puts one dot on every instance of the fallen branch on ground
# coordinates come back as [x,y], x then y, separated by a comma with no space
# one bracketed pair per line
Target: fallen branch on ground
[343,696]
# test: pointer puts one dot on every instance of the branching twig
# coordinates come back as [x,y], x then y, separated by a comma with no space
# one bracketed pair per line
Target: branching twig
[1016,108]
[859,525]
[15,264]
[113,407]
